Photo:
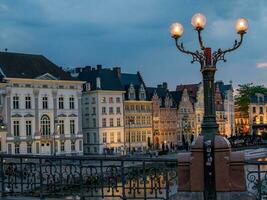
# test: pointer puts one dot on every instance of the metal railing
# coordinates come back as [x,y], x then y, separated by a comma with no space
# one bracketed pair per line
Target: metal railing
[62,176]
[256,178]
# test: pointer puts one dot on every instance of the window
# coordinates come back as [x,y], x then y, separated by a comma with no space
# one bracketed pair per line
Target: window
[132,136]
[61,127]
[110,99]
[93,100]
[111,123]
[138,139]
[111,137]
[261,119]
[261,110]
[72,146]
[93,111]
[94,122]
[88,138]
[72,103]
[104,137]
[61,102]
[142,95]
[118,100]
[118,122]
[16,148]
[118,110]
[16,128]
[28,128]
[16,102]
[104,122]
[143,120]
[62,146]
[45,102]
[72,126]
[9,148]
[103,99]
[104,112]
[45,125]
[28,102]
[119,137]
[95,138]
[29,148]
[144,136]
[110,110]
[254,109]
[80,145]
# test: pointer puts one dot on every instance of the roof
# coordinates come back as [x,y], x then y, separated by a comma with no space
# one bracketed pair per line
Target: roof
[177,96]
[191,89]
[29,66]
[161,92]
[128,79]
[108,78]
[134,79]
[223,88]
[258,98]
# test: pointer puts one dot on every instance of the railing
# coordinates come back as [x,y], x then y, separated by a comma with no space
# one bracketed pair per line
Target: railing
[256,177]
[61,176]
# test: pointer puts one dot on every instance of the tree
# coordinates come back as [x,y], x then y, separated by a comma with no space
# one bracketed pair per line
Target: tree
[245,92]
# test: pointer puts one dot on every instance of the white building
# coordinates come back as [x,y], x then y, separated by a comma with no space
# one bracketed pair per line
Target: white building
[103,115]
[42,106]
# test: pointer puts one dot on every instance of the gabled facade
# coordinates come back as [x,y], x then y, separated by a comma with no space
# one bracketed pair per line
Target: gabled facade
[42,106]
[185,116]
[164,117]
[137,113]
[224,103]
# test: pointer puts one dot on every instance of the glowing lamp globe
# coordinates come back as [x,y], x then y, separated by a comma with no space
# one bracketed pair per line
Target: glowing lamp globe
[198,21]
[176,30]
[241,25]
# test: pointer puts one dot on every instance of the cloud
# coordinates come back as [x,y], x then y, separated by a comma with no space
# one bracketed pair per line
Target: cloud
[262,65]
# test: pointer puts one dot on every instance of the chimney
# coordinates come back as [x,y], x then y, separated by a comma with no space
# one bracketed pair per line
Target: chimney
[117,70]
[87,69]
[159,86]
[98,67]
[165,85]
[98,83]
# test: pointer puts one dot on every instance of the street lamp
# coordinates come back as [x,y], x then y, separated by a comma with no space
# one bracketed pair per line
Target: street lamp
[208,61]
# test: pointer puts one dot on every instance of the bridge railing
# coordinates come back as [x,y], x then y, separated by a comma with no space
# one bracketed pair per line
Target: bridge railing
[61,176]
[256,178]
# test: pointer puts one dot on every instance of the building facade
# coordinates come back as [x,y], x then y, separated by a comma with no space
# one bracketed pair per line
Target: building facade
[258,114]
[42,106]
[164,117]
[103,113]
[241,122]
[137,113]
[224,103]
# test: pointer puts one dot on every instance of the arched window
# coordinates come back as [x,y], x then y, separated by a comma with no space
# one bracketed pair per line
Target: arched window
[45,125]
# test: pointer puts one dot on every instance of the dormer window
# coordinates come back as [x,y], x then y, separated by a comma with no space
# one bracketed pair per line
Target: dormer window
[131,94]
[142,94]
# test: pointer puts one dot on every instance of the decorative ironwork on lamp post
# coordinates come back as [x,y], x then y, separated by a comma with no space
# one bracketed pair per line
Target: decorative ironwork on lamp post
[208,61]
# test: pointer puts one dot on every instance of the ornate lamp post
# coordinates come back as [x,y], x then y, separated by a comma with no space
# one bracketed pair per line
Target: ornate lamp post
[208,61]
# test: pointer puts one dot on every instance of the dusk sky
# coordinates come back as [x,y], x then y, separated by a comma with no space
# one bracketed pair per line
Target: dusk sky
[134,34]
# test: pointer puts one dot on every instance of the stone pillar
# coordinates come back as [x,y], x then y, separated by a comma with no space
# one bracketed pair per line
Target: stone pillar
[229,167]
[221,159]
[36,111]
[184,182]
[197,165]
[54,95]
